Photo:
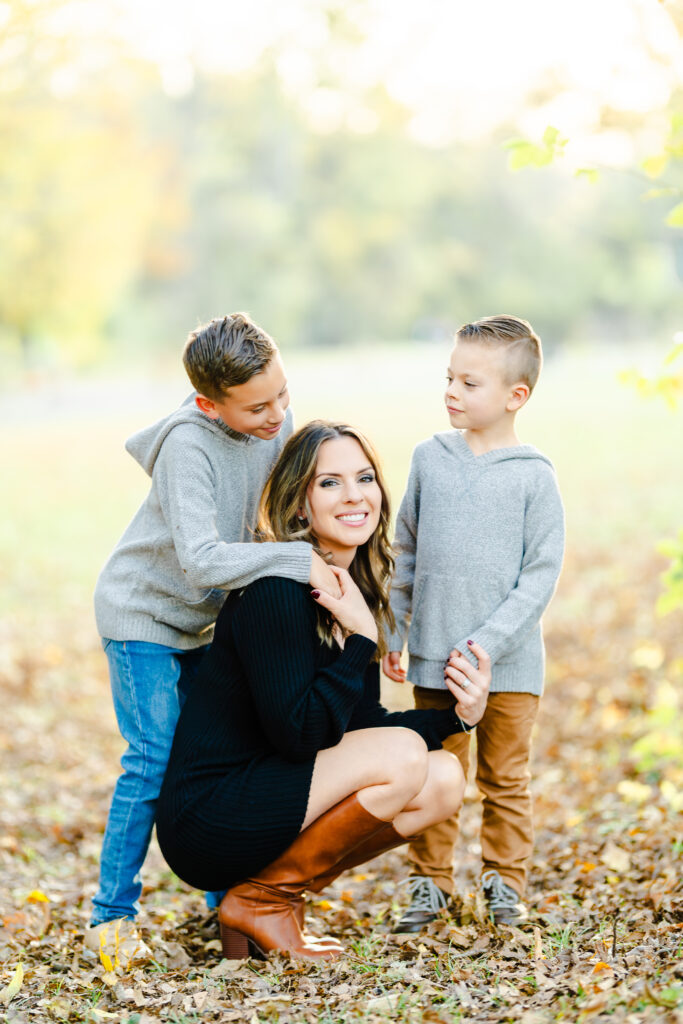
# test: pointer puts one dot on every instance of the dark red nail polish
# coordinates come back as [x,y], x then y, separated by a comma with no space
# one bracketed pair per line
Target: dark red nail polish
[469,643]
[315,593]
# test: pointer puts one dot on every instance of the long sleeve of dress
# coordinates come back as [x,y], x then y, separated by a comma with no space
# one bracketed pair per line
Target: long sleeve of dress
[302,707]
[432,724]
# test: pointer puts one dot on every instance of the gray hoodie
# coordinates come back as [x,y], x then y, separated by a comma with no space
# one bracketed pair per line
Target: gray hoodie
[480,540]
[188,543]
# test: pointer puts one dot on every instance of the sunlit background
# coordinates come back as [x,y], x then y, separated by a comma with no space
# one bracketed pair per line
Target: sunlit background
[336,168]
[362,177]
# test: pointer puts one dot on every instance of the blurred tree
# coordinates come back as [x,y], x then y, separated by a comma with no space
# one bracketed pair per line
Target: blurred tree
[80,185]
[131,214]
[332,235]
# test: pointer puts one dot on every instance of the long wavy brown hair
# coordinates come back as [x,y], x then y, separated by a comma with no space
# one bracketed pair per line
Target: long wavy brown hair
[285,495]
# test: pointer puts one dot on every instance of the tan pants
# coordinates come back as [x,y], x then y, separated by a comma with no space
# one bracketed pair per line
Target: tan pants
[503,748]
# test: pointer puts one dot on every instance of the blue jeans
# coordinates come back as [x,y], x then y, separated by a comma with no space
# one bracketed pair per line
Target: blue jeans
[149,683]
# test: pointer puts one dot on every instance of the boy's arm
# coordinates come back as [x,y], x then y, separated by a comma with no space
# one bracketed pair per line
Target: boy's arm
[405,544]
[541,565]
[184,481]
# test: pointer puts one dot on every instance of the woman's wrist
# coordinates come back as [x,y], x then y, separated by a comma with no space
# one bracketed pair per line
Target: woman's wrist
[369,634]
[463,725]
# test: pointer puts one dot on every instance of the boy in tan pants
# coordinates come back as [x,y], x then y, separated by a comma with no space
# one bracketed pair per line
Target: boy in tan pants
[480,538]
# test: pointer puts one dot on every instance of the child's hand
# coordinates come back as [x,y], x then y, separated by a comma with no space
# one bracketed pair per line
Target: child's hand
[322,577]
[350,610]
[391,666]
[469,685]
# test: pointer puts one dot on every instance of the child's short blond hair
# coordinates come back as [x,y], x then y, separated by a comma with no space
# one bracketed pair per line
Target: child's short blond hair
[226,352]
[523,353]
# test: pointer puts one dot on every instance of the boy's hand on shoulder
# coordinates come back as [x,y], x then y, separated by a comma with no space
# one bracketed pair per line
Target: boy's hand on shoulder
[391,666]
[322,577]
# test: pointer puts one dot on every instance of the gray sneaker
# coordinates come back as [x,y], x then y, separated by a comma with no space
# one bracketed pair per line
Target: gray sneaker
[505,905]
[427,901]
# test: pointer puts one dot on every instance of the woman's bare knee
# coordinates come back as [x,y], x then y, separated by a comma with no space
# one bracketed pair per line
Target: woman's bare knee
[449,784]
[388,765]
[408,764]
[439,798]
[405,768]
[412,767]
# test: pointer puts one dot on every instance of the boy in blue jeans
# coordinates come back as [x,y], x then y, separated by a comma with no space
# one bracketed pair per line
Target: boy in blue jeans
[480,539]
[159,594]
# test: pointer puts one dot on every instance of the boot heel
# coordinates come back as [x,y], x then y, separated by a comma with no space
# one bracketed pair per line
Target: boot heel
[237,946]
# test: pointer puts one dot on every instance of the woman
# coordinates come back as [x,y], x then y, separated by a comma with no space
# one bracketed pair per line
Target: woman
[285,769]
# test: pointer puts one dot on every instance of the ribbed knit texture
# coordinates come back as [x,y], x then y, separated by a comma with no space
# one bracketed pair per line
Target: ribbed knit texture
[191,539]
[480,542]
[268,696]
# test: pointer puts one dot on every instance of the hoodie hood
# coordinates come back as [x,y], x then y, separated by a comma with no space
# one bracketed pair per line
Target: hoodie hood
[146,444]
[454,442]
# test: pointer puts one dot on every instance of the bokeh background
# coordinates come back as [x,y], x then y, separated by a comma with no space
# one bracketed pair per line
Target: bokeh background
[362,177]
[337,168]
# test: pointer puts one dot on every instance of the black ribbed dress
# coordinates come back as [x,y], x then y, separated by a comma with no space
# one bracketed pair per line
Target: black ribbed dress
[268,696]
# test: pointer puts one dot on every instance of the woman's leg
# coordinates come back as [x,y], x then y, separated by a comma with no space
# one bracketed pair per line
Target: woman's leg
[359,787]
[395,776]
[439,798]
[386,767]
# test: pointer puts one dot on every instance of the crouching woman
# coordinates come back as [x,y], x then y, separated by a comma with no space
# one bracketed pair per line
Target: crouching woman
[285,769]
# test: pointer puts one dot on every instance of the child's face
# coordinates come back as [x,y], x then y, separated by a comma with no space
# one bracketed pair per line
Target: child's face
[477,395]
[256,407]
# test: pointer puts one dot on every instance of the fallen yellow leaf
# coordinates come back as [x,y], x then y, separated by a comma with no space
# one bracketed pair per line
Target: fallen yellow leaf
[8,993]
[36,896]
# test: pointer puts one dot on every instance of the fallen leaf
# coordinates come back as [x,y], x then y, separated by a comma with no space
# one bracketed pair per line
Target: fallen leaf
[8,993]
[616,858]
[36,896]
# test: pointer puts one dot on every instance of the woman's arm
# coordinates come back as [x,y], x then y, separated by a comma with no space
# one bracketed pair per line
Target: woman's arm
[432,724]
[468,684]
[301,706]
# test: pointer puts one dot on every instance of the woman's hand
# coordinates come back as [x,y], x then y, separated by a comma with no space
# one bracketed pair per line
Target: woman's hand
[469,684]
[350,610]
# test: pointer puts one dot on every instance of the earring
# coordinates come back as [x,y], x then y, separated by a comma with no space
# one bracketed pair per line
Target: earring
[302,519]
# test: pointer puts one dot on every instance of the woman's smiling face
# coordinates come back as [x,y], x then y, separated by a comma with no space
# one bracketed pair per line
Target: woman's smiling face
[344,499]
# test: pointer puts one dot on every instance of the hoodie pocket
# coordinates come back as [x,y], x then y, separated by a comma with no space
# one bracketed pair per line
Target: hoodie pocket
[449,608]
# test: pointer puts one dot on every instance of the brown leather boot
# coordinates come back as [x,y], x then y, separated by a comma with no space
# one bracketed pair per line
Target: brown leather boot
[385,839]
[261,913]
[256,919]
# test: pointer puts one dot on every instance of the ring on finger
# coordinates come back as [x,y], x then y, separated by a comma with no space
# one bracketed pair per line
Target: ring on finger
[464,685]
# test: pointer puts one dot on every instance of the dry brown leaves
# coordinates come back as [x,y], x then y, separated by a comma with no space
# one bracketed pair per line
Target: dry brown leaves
[606,937]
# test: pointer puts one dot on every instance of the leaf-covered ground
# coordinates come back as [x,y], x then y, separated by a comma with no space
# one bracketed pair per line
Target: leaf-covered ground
[606,937]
